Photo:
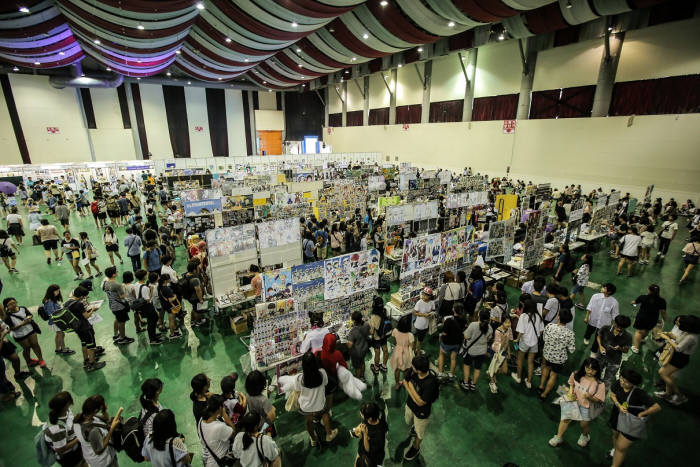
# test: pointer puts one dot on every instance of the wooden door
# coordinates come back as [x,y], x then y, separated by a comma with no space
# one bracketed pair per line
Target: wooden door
[269,142]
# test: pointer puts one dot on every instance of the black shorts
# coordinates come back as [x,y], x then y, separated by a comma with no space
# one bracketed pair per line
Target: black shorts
[357,362]
[474,361]
[8,348]
[112,247]
[643,325]
[113,213]
[65,221]
[20,339]
[420,334]
[71,458]
[86,334]
[558,368]
[15,229]
[679,360]
[102,215]
[7,254]
[629,258]
[122,315]
[378,343]
[50,244]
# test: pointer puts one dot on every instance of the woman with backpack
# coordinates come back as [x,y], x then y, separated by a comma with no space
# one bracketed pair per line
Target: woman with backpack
[89,252]
[52,302]
[59,432]
[94,428]
[474,348]
[379,330]
[150,391]
[165,447]
[252,448]
[529,329]
[24,331]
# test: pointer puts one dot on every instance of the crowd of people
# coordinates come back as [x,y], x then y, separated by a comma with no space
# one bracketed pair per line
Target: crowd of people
[533,340]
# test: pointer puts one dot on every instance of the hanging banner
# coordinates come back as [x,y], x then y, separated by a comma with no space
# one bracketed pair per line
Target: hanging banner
[229,240]
[203,201]
[420,253]
[279,232]
[351,273]
[385,201]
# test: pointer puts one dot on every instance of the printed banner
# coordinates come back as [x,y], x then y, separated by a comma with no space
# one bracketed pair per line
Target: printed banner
[278,233]
[454,242]
[385,201]
[228,240]
[201,201]
[238,202]
[376,183]
[351,273]
[277,284]
[420,253]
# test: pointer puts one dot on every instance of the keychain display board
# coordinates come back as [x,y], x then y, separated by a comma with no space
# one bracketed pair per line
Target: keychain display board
[396,215]
[420,253]
[280,242]
[500,242]
[376,183]
[577,208]
[337,311]
[277,332]
[533,246]
[230,250]
[347,274]
[307,280]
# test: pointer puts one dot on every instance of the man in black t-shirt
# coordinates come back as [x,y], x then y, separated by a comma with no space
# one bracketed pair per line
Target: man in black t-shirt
[423,390]
[650,306]
[613,341]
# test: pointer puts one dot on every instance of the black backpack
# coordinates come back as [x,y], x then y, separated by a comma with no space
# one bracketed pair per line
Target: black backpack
[183,287]
[570,263]
[41,311]
[133,437]
[64,318]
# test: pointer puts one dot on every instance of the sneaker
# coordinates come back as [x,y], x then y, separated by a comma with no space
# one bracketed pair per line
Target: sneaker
[78,278]
[115,338]
[515,378]
[634,349]
[442,375]
[330,437]
[580,306]
[314,442]
[98,274]
[611,453]
[555,441]
[528,384]
[155,342]
[586,341]
[125,341]
[493,388]
[59,262]
[663,256]
[382,368]
[90,277]
[678,399]
[374,368]
[660,394]
[450,376]
[22,375]
[538,371]
[594,355]
[657,254]
[583,440]
[177,334]
[95,366]
[42,364]
[99,350]
[67,351]
[48,260]
[472,386]
[464,385]
[33,362]
[411,453]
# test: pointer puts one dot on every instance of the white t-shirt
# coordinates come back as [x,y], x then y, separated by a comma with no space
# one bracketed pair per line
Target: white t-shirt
[311,399]
[530,328]
[249,457]
[552,306]
[668,228]
[217,435]
[423,307]
[631,245]
[16,318]
[167,270]
[16,219]
[603,310]
[529,287]
[313,340]
[162,458]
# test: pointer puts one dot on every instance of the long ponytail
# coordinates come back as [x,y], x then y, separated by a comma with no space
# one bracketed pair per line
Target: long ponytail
[251,423]
[484,318]
[92,404]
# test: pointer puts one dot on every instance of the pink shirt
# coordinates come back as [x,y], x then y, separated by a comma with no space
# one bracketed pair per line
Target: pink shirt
[595,388]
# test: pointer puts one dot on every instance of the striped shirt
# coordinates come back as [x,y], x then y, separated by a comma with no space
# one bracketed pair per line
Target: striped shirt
[60,434]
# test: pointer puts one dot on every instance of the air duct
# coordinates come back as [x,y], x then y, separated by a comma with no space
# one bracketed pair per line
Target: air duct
[78,79]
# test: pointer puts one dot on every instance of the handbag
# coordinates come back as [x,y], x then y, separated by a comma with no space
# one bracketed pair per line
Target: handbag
[570,410]
[264,462]
[292,404]
[177,307]
[463,352]
[595,408]
[226,461]
[665,354]
[632,425]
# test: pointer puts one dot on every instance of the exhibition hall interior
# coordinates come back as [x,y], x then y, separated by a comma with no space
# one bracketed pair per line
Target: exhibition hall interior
[349,232]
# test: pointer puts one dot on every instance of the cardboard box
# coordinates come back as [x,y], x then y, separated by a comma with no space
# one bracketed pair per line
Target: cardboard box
[239,324]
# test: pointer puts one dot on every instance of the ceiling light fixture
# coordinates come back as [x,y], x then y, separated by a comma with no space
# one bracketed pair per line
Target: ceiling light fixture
[219,79]
[365,36]
[37,63]
[15,69]
[108,69]
[246,60]
[298,50]
[269,90]
[168,74]
[138,78]
[140,27]
[331,30]
[97,41]
[451,24]
[568,4]
[347,71]
[420,49]
[610,28]
[178,52]
[354,58]
[264,82]
[61,53]
[200,5]
[501,37]
[301,66]
[294,24]
[400,65]
[228,40]
[23,9]
[383,3]
[138,61]
[189,82]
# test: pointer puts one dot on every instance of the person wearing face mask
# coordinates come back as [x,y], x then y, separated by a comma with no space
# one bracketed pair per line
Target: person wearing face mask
[59,432]
[94,430]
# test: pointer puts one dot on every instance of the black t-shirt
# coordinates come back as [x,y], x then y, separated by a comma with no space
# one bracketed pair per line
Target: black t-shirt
[609,339]
[427,389]
[377,439]
[561,213]
[649,308]
[72,243]
[165,292]
[639,400]
[452,330]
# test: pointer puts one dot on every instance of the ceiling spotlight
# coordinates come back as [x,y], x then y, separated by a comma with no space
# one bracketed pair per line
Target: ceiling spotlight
[189,82]
[23,9]
[15,69]
[501,37]
[303,85]
[301,66]
[420,49]
[246,60]
[168,74]
[451,24]
[138,61]
[383,3]
[264,82]
[610,28]
[302,76]
[200,5]
[298,50]
[138,78]
[347,71]
[61,53]
[269,90]
[354,58]
[365,36]
[331,30]
[177,52]
[140,27]
[568,4]
[108,69]
[97,41]
[37,63]
[219,79]
[400,65]
[294,24]
[228,40]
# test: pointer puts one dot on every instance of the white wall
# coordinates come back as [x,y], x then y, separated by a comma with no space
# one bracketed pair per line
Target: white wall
[40,106]
[196,102]
[267,100]
[656,149]
[155,121]
[448,80]
[235,123]
[498,69]
[354,97]
[568,66]
[409,90]
[269,120]
[10,154]
[670,49]
[334,102]
[110,140]
[378,93]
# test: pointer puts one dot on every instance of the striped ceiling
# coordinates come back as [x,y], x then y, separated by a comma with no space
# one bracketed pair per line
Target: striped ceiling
[276,43]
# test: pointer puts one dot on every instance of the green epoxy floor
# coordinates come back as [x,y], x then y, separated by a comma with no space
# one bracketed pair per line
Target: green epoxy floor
[466,428]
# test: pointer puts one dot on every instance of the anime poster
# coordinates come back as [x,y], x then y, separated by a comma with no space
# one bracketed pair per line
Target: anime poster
[397,215]
[420,253]
[229,240]
[273,309]
[304,177]
[457,200]
[478,198]
[279,233]
[289,198]
[577,207]
[351,273]
[277,284]
[376,183]
[384,201]
[471,252]
[454,242]
[238,202]
[494,249]
[307,272]
[198,202]
[312,288]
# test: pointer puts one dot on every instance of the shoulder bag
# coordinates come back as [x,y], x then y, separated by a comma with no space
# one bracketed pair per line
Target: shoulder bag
[226,461]
[264,461]
[596,408]
[632,425]
[463,352]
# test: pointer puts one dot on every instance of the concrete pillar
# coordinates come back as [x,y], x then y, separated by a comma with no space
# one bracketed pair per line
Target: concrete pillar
[79,97]
[529,56]
[469,70]
[393,77]
[427,79]
[132,118]
[606,75]
[253,131]
[365,101]
[344,101]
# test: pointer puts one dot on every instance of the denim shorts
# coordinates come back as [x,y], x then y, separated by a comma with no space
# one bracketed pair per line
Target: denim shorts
[449,348]
[577,289]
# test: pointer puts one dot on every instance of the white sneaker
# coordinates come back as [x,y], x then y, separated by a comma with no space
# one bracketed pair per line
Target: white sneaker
[594,355]
[493,388]
[634,349]
[528,384]
[538,371]
[611,453]
[661,394]
[555,441]
[515,377]
[678,399]
[586,342]
[583,440]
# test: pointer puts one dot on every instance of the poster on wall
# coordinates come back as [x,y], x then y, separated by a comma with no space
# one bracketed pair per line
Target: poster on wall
[497,231]
[478,198]
[376,183]
[577,207]
[229,240]
[304,177]
[457,200]
[384,201]
[454,242]
[445,177]
[238,202]
[396,215]
[307,272]
[279,232]
[204,201]
[420,253]
[289,198]
[351,273]
[277,284]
